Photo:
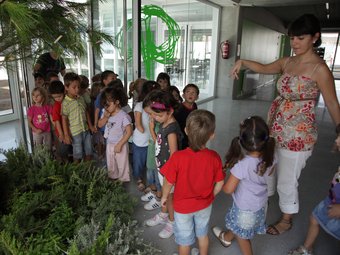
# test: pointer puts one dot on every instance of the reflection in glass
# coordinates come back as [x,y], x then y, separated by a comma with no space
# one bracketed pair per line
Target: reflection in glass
[6,106]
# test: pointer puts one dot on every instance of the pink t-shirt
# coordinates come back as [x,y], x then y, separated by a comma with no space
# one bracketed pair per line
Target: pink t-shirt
[40,116]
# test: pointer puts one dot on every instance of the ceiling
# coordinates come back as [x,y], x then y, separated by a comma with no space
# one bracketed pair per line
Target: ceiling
[288,10]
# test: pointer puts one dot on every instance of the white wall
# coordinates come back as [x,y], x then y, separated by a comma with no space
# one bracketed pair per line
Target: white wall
[255,45]
[229,26]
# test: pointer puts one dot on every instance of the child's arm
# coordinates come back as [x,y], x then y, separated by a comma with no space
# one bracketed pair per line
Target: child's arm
[96,117]
[138,121]
[218,187]
[152,129]
[31,125]
[125,138]
[231,184]
[89,123]
[172,140]
[57,125]
[66,128]
[166,188]
[103,120]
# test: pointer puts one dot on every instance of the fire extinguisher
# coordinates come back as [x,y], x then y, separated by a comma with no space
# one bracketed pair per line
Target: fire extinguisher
[224,47]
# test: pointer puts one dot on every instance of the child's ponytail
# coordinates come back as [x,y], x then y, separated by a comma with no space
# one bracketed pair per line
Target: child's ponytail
[234,153]
[267,155]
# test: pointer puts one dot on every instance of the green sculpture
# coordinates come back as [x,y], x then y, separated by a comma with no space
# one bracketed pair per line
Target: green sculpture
[163,53]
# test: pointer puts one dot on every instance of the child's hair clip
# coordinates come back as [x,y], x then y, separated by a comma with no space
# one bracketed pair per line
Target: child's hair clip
[158,106]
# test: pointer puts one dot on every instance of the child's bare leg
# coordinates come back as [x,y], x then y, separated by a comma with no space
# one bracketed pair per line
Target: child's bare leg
[312,233]
[170,207]
[183,250]
[245,246]
[228,236]
[203,245]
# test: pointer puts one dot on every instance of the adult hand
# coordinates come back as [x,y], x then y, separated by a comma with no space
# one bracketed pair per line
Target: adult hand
[334,211]
[236,69]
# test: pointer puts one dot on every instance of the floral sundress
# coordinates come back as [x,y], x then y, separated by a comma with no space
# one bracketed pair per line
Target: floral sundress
[291,116]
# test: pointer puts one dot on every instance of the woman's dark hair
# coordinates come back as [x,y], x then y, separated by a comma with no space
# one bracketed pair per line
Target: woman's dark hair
[254,136]
[160,101]
[113,94]
[147,87]
[307,24]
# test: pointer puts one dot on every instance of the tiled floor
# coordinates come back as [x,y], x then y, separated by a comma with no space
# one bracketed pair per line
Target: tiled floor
[314,185]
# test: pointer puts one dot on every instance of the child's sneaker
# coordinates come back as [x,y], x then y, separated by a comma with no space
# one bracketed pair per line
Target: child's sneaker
[300,251]
[152,204]
[168,230]
[159,218]
[147,197]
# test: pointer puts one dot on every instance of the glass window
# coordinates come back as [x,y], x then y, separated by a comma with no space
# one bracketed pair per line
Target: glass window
[109,16]
[6,105]
[194,56]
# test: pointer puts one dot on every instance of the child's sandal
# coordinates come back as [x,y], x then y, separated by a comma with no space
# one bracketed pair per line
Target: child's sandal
[140,185]
[300,251]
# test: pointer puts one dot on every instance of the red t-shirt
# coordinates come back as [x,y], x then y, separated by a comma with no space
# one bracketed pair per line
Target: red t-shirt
[56,114]
[194,175]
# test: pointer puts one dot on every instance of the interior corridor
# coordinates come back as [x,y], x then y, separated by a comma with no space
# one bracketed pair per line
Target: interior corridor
[314,185]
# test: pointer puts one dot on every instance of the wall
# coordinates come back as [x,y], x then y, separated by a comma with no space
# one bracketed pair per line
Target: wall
[228,31]
[254,29]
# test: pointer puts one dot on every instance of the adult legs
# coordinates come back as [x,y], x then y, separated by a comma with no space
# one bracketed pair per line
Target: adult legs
[290,164]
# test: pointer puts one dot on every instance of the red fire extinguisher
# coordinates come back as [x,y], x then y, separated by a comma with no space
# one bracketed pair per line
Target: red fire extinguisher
[224,47]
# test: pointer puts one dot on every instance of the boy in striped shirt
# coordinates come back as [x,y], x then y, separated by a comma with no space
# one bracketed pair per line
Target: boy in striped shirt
[76,120]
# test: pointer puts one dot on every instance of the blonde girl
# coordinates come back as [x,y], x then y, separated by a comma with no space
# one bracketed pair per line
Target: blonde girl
[39,116]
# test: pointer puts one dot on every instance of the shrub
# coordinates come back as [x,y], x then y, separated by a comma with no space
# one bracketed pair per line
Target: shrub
[50,208]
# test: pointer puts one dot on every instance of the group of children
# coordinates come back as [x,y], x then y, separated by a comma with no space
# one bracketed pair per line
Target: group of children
[169,137]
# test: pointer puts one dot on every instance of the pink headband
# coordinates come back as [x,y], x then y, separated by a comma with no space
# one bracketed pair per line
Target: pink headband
[159,106]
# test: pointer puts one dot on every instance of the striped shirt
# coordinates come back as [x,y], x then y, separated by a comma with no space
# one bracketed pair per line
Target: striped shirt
[75,111]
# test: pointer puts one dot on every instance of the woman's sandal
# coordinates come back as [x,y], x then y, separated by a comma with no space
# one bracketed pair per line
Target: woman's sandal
[275,230]
[220,236]
[300,251]
[140,185]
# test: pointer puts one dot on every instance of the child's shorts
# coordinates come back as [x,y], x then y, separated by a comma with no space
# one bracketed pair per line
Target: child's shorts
[191,225]
[82,144]
[330,225]
[245,224]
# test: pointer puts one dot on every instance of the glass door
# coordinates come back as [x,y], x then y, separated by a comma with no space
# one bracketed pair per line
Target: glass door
[331,44]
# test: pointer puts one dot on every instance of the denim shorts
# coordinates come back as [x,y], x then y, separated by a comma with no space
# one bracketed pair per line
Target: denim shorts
[191,225]
[245,224]
[82,143]
[330,225]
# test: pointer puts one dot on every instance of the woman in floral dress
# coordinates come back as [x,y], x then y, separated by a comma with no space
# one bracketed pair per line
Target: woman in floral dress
[291,117]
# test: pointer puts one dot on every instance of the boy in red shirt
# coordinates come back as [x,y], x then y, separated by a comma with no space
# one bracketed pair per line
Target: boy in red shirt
[197,176]
[57,92]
